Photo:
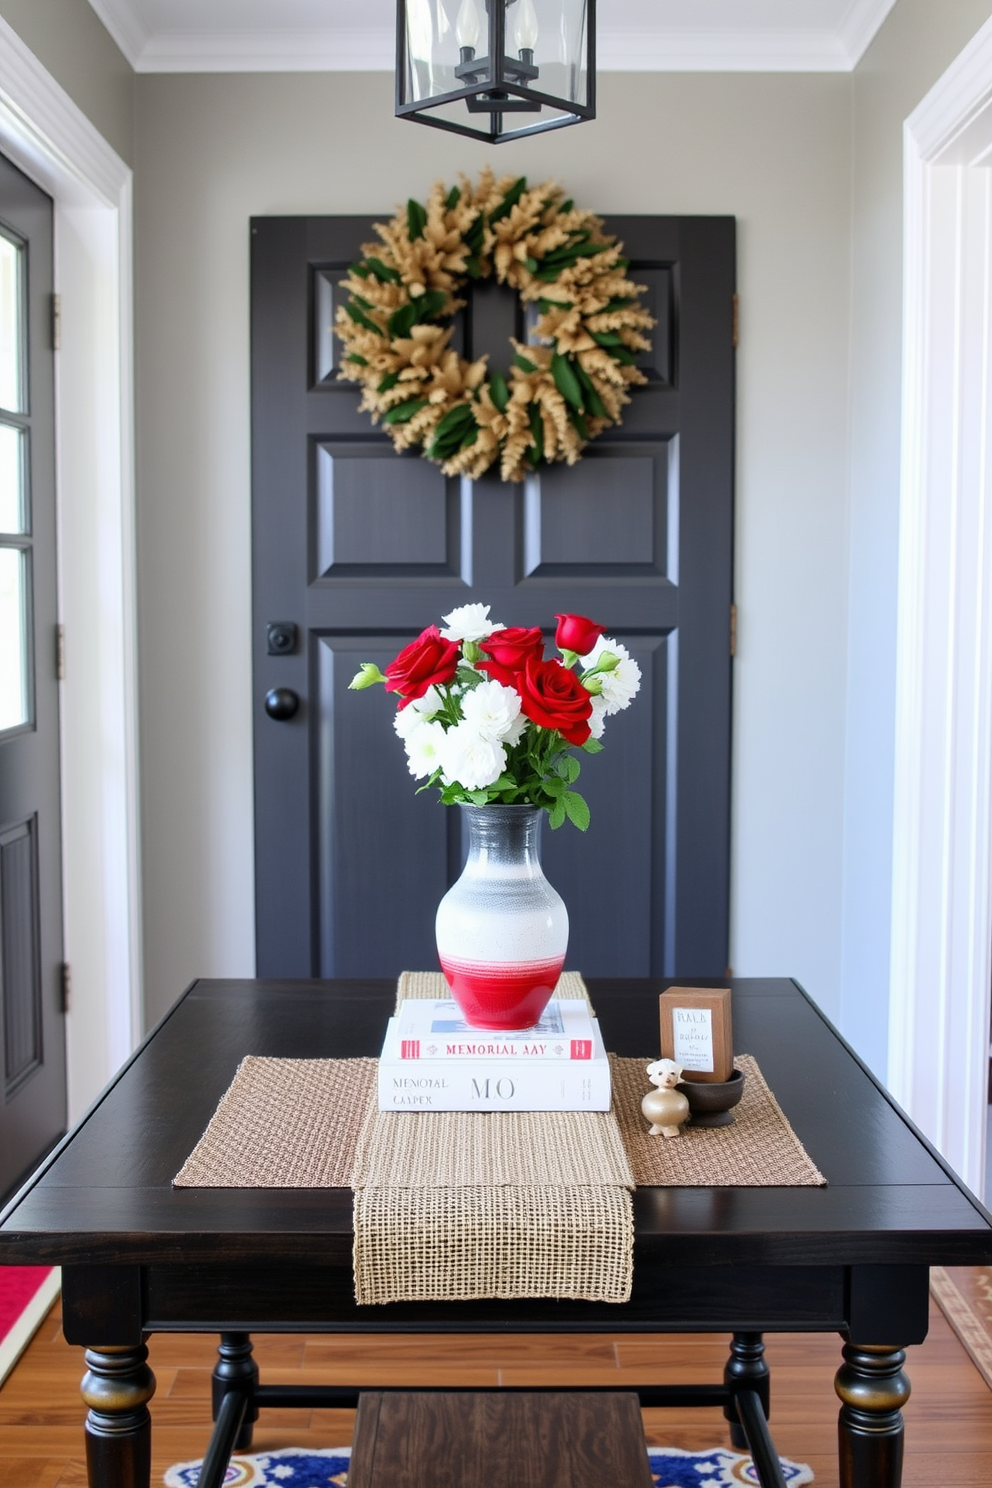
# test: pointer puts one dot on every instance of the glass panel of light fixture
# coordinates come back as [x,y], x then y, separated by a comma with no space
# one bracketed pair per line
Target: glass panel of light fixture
[11,325]
[444,37]
[556,32]
[432,48]
[13,639]
[11,479]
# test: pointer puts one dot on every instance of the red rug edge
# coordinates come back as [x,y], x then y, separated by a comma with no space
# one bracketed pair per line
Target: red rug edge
[18,1284]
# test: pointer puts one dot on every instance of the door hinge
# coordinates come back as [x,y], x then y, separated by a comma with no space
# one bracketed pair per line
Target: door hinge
[733,630]
[60,653]
[736,330]
[56,322]
[66,986]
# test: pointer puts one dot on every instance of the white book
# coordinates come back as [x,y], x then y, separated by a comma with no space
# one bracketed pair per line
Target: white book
[497,1084]
[428,1029]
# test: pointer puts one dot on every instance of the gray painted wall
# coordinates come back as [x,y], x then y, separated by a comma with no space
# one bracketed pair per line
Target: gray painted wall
[915,46]
[69,39]
[212,151]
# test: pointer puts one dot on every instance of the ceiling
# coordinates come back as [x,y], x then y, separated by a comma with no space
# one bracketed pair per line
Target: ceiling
[358,35]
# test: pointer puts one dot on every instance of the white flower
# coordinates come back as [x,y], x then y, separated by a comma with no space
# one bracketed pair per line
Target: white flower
[424,744]
[492,709]
[468,623]
[621,685]
[405,720]
[597,718]
[471,759]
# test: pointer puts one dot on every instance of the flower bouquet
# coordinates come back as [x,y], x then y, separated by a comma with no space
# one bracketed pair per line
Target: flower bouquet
[493,723]
[485,717]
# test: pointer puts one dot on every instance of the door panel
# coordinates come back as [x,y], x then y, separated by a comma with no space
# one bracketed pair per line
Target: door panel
[32,1036]
[362,548]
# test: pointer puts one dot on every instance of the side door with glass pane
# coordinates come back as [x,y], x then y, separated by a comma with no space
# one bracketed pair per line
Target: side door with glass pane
[32,1034]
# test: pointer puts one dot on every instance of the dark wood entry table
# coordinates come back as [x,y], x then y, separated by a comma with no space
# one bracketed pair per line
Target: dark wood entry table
[140,1257]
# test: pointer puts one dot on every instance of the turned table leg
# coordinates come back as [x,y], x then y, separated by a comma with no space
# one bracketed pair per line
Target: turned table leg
[746,1368]
[873,1387]
[117,1388]
[236,1370]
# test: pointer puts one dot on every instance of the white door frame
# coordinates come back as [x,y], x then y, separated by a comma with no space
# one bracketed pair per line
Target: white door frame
[44,133]
[942,840]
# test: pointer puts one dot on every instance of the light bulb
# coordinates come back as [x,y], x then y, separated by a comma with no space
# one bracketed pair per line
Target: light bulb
[468,25]
[526,26]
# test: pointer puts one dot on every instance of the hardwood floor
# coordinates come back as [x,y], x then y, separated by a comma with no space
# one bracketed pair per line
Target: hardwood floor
[948,1419]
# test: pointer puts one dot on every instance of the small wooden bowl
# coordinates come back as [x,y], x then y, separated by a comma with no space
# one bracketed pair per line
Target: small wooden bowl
[710,1103]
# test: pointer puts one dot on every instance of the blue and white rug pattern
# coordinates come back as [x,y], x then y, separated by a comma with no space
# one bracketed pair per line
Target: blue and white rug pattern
[301,1467]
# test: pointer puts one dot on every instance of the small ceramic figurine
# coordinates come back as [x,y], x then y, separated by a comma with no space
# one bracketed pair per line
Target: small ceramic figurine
[666,1108]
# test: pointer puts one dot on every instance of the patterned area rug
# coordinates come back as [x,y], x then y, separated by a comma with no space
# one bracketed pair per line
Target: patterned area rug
[298,1467]
[964,1295]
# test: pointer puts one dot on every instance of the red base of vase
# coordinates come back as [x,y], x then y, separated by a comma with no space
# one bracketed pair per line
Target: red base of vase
[504,995]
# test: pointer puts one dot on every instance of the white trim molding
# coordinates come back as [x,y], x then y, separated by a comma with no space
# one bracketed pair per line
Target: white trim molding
[942,834]
[44,133]
[243,47]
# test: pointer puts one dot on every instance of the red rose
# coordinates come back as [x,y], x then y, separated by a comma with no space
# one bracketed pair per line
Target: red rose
[553,696]
[427,661]
[577,633]
[509,651]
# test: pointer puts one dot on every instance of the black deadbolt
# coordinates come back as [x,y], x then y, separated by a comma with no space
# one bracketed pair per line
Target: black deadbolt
[281,703]
[280,637]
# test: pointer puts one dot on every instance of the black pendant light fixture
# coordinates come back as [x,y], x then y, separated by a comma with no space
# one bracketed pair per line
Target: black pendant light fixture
[496,69]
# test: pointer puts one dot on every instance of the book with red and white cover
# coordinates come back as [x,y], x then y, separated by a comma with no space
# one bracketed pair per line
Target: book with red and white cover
[492,1082]
[436,1029]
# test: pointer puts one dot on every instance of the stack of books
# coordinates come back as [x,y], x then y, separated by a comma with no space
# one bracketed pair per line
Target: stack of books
[433,1061]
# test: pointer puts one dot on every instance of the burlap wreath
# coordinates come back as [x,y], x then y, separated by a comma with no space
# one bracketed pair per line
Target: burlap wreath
[562,390]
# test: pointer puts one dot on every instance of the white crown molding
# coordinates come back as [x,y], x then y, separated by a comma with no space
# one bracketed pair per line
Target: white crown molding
[720,51]
[374,50]
[126,28]
[860,26]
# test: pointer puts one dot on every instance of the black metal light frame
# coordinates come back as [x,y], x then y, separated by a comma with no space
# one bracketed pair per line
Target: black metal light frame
[496,91]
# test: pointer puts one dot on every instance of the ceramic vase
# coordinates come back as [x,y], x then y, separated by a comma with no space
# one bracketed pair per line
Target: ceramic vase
[502,930]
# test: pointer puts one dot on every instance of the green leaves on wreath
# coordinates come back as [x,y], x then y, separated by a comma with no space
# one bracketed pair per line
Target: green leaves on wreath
[576,387]
[404,412]
[566,381]
[427,307]
[416,219]
[455,431]
[498,391]
[510,200]
[357,314]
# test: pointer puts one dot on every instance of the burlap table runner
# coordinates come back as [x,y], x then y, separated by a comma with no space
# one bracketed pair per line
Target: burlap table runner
[461,1205]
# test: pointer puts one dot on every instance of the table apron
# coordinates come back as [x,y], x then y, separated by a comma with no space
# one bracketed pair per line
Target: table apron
[118,1305]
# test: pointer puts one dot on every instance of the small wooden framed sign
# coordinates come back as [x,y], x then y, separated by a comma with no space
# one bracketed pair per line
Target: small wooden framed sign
[696,1032]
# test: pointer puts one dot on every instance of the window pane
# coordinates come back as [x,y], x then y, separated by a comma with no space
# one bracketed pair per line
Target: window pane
[11,479]
[13,639]
[11,339]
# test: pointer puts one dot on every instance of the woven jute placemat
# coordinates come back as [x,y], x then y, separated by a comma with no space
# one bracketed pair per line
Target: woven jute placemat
[760,1149]
[284,1123]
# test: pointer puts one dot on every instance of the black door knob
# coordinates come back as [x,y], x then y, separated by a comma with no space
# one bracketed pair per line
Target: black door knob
[281,703]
